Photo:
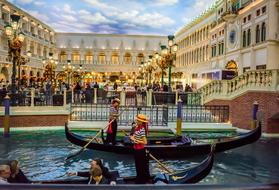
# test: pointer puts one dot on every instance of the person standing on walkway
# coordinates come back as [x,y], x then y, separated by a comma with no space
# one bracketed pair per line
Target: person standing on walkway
[113,116]
[141,156]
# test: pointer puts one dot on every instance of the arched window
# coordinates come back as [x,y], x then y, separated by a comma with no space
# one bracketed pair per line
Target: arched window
[114,58]
[263,32]
[249,37]
[63,57]
[127,58]
[257,34]
[76,58]
[88,58]
[140,58]
[244,39]
[102,58]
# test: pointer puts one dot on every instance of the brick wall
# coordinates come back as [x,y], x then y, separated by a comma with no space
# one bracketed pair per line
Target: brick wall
[241,109]
[36,120]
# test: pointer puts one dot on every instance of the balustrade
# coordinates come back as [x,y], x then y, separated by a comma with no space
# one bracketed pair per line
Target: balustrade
[261,80]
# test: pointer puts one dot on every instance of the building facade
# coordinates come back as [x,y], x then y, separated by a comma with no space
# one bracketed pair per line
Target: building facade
[232,36]
[39,40]
[96,56]
[100,56]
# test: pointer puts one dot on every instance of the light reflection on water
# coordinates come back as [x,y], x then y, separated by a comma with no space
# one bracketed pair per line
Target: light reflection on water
[42,155]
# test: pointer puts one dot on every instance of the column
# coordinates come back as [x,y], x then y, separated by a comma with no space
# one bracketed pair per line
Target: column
[35,48]
[95,57]
[108,57]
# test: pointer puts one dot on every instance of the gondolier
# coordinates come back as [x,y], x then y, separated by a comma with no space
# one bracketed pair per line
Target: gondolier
[113,115]
[141,157]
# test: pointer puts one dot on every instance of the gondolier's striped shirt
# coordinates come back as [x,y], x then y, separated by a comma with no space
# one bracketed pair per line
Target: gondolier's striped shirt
[112,111]
[139,134]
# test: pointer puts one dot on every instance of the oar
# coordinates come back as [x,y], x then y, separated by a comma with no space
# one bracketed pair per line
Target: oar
[93,138]
[151,156]
[160,163]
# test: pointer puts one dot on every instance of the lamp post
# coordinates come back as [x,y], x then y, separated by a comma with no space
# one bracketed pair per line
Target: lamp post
[68,70]
[169,54]
[22,61]
[149,67]
[15,42]
[50,66]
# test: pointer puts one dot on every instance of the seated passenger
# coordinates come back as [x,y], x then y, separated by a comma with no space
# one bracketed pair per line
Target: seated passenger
[17,176]
[96,176]
[105,171]
[5,173]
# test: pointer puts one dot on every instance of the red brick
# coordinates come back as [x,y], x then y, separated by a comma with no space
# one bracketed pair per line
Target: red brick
[241,109]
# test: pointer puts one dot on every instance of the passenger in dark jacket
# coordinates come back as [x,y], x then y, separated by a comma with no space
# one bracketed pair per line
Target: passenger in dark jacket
[105,171]
[17,176]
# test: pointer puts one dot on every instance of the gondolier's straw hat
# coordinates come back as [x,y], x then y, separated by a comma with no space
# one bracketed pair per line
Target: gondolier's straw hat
[116,100]
[142,118]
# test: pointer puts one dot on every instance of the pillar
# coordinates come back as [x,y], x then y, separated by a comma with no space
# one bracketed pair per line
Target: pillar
[122,98]
[6,123]
[254,115]
[95,96]
[32,97]
[179,117]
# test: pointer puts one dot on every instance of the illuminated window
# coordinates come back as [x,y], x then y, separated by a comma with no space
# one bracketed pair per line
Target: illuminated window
[102,58]
[114,58]
[127,58]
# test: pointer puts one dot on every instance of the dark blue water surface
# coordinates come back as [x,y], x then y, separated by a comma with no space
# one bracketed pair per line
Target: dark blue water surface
[42,153]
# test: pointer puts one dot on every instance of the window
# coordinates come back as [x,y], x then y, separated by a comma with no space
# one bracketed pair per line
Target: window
[127,58]
[249,17]
[246,69]
[263,9]
[258,12]
[263,37]
[244,39]
[260,67]
[114,58]
[221,48]
[244,20]
[75,58]
[257,34]
[63,57]
[88,59]
[102,58]
[249,37]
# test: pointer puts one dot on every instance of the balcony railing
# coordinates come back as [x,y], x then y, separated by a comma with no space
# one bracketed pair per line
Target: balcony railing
[258,80]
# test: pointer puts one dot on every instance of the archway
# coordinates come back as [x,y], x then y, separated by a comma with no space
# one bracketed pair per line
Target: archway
[127,58]
[4,75]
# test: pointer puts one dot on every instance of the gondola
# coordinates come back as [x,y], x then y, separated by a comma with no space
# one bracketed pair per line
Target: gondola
[189,175]
[162,148]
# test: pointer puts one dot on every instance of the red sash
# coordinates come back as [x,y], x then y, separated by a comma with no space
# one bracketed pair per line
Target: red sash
[110,127]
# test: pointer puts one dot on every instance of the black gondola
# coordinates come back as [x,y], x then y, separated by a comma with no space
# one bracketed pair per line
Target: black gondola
[166,149]
[189,175]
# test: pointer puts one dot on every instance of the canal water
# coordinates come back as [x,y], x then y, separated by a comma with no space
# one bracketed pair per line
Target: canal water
[42,153]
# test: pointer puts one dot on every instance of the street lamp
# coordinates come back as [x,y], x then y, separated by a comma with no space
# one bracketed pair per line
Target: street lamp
[50,72]
[149,67]
[15,42]
[22,61]
[169,55]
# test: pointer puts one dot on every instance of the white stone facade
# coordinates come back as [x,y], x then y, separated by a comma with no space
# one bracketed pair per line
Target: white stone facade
[106,52]
[39,39]
[248,37]
[95,52]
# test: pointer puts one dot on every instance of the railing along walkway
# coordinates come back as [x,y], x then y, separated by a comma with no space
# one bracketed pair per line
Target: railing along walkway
[257,80]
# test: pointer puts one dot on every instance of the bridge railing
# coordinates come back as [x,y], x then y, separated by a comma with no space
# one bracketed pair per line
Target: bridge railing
[158,115]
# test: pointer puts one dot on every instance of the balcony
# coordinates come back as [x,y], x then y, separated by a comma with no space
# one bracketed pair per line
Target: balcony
[229,16]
